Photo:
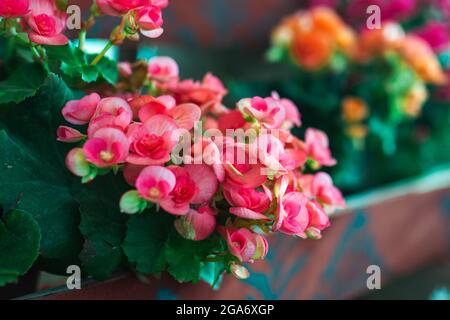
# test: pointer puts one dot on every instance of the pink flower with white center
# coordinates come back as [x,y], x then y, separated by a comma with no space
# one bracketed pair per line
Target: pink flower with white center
[246,203]
[47,23]
[163,69]
[14,8]
[246,245]
[149,20]
[67,134]
[81,111]
[197,224]
[154,183]
[294,214]
[195,184]
[317,146]
[268,111]
[152,141]
[107,147]
[323,189]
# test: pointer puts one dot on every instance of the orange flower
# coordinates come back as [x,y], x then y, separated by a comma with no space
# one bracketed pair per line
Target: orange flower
[326,20]
[312,37]
[312,50]
[354,109]
[375,42]
[421,57]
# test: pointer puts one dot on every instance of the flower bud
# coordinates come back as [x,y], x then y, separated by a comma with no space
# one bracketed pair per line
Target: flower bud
[131,203]
[76,163]
[239,271]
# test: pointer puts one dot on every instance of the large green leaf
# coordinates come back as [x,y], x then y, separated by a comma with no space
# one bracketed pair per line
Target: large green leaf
[19,245]
[103,225]
[23,83]
[185,257]
[33,176]
[146,239]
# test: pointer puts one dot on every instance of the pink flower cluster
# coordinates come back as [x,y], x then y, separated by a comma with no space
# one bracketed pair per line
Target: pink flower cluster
[257,185]
[41,19]
[145,15]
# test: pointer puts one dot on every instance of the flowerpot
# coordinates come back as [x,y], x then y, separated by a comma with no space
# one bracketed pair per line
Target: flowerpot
[399,228]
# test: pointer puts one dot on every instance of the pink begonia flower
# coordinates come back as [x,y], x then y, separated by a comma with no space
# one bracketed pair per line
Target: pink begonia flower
[208,94]
[436,34]
[325,192]
[149,20]
[163,69]
[81,111]
[117,108]
[295,217]
[241,170]
[14,8]
[119,7]
[152,141]
[76,162]
[68,134]
[292,115]
[268,111]
[246,245]
[195,184]
[185,115]
[318,220]
[246,203]
[46,23]
[107,147]
[318,147]
[131,172]
[207,152]
[197,224]
[151,105]
[125,69]
[232,120]
[154,183]
[269,150]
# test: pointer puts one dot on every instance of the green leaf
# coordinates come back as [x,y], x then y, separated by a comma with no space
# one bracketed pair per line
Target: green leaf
[75,63]
[33,176]
[19,245]
[212,273]
[185,257]
[23,83]
[103,226]
[108,70]
[145,241]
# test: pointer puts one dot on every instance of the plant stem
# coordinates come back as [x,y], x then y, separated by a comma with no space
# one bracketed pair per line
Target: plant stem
[102,54]
[82,38]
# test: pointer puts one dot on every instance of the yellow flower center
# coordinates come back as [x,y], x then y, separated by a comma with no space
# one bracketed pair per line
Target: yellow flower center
[106,156]
[154,193]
